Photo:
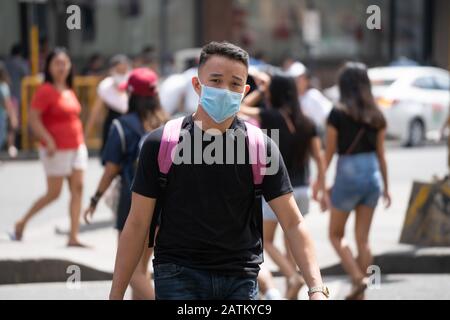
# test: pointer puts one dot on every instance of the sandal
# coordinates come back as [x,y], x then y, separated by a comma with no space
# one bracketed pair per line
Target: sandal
[357,290]
[295,283]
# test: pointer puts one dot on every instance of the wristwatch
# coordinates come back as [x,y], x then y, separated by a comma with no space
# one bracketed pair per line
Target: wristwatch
[322,289]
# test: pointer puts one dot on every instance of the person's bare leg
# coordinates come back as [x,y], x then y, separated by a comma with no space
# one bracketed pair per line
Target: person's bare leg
[288,253]
[363,222]
[277,256]
[76,193]
[141,284]
[54,186]
[294,280]
[289,256]
[266,284]
[338,220]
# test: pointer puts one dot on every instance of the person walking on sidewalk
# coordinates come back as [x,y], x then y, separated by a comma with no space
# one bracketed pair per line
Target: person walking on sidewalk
[54,118]
[110,96]
[313,103]
[298,141]
[356,131]
[8,117]
[120,155]
[209,243]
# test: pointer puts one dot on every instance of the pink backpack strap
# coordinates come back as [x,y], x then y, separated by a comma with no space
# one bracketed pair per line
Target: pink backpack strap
[169,141]
[257,152]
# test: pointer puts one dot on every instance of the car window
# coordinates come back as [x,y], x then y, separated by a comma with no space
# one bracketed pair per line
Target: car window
[424,83]
[382,82]
[442,83]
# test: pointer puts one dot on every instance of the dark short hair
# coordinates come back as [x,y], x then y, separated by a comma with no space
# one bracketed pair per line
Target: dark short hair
[223,49]
[47,75]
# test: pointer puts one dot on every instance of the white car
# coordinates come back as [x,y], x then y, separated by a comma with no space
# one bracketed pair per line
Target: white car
[414,100]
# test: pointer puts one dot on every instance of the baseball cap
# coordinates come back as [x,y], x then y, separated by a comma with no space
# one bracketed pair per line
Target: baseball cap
[141,82]
[297,69]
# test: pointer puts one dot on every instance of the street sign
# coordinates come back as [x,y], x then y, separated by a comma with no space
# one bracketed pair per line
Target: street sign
[311,27]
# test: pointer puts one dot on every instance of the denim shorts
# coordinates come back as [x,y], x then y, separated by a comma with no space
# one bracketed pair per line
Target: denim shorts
[301,195]
[358,182]
[175,282]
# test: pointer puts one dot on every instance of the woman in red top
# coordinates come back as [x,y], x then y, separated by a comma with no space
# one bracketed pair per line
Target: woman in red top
[54,118]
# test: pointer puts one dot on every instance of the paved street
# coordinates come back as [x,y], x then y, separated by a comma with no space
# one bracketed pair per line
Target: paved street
[23,181]
[393,287]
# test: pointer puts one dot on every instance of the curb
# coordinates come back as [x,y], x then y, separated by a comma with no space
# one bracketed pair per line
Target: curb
[403,263]
[54,270]
[46,270]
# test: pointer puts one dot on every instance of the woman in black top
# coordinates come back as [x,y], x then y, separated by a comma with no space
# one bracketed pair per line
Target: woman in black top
[355,131]
[298,140]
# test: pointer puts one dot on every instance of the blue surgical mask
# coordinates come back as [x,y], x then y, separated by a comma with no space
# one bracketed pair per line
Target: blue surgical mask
[220,104]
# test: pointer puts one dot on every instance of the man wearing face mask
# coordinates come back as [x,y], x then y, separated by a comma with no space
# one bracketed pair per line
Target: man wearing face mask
[110,96]
[209,243]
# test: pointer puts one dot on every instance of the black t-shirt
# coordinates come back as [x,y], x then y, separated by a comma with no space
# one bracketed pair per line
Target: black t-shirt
[348,129]
[210,219]
[298,172]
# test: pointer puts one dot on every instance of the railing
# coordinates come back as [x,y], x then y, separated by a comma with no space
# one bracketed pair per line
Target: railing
[85,88]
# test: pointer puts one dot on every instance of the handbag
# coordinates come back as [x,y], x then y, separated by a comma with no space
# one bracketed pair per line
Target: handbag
[350,150]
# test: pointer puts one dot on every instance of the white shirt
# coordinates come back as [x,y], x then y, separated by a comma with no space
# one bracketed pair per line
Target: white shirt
[316,106]
[171,92]
[178,88]
[115,99]
[191,97]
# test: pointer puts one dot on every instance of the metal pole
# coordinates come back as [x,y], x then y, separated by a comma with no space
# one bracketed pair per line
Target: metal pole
[34,41]
[163,41]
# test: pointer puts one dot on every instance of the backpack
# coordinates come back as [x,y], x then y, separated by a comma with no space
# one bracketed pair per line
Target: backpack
[169,141]
[112,194]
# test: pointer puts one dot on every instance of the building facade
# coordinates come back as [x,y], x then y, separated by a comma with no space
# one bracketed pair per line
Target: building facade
[322,33]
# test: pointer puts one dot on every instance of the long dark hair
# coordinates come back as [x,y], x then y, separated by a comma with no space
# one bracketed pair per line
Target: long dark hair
[148,108]
[356,95]
[284,97]
[47,75]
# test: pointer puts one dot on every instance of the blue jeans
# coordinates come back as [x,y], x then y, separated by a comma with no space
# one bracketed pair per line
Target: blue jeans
[358,182]
[175,282]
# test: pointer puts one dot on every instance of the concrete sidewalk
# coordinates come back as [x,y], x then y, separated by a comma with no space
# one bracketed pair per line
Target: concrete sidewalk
[43,257]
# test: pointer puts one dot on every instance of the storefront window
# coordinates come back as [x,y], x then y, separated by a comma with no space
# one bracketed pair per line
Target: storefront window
[309,29]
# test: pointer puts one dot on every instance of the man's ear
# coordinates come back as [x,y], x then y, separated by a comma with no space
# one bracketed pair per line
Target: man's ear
[196,85]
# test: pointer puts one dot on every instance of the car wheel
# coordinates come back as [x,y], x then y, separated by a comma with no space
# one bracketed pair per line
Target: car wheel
[416,133]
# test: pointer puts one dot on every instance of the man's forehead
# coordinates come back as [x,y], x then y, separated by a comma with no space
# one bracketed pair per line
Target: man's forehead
[223,66]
